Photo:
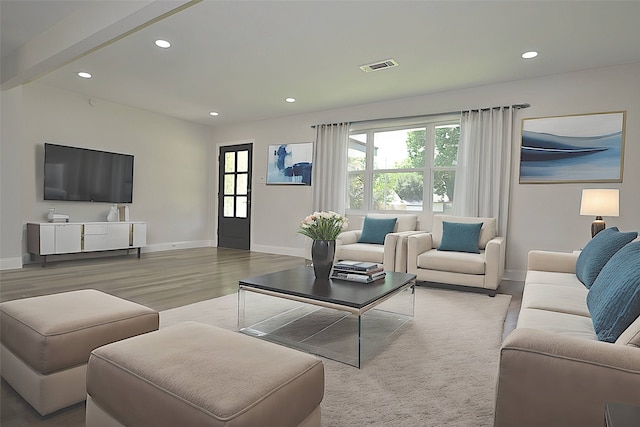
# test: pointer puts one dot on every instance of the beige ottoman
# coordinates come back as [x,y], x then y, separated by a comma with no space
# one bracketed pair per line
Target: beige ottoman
[193,374]
[46,342]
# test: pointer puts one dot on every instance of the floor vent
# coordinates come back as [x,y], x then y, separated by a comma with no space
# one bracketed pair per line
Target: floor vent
[389,63]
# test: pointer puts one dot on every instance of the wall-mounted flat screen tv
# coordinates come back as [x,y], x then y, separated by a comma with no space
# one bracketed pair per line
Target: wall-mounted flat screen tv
[80,174]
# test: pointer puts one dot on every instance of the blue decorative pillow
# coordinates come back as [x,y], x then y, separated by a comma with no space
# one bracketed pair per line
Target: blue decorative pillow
[614,297]
[375,230]
[460,237]
[598,251]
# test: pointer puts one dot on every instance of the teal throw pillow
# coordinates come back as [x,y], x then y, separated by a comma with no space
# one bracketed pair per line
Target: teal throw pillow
[375,230]
[460,237]
[598,251]
[614,297]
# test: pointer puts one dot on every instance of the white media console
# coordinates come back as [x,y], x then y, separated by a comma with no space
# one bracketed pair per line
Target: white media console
[46,238]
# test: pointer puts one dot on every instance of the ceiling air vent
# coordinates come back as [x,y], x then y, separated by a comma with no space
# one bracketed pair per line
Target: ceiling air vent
[389,63]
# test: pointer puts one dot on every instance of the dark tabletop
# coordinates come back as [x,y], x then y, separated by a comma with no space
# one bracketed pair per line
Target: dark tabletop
[301,282]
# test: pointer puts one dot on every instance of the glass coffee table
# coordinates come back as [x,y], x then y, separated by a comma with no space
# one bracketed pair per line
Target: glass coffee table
[345,321]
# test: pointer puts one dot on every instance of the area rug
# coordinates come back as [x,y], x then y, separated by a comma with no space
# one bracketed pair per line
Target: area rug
[439,370]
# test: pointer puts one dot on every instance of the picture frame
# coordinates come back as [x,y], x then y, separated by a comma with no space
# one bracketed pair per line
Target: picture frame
[290,164]
[573,148]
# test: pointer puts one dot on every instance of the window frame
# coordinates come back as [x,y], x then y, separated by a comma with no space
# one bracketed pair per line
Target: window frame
[429,124]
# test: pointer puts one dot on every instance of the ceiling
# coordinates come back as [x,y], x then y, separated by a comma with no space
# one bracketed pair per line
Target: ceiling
[243,58]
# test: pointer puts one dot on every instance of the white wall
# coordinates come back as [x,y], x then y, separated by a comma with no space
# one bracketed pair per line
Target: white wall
[172,186]
[176,168]
[10,186]
[543,216]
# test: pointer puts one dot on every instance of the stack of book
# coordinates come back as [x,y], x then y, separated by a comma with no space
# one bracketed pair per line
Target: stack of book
[357,271]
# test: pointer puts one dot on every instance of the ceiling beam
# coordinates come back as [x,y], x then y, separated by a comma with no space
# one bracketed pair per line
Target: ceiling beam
[88,29]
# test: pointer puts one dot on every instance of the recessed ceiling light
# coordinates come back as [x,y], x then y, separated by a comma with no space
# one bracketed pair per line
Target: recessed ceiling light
[84,75]
[530,54]
[290,99]
[163,44]
[213,113]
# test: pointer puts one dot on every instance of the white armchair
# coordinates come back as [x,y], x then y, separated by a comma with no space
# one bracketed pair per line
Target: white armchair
[480,270]
[392,255]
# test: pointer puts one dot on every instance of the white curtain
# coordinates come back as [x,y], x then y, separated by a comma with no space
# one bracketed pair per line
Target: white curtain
[329,172]
[483,174]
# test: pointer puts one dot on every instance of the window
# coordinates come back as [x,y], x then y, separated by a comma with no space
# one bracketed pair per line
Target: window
[398,168]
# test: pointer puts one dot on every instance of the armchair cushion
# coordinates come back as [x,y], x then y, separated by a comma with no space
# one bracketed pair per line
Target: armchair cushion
[487,232]
[460,237]
[614,298]
[375,230]
[454,262]
[598,251]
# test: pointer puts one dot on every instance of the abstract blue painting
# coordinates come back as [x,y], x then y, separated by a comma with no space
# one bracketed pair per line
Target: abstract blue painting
[578,148]
[290,164]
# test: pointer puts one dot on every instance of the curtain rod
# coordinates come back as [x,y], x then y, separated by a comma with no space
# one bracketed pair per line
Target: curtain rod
[516,106]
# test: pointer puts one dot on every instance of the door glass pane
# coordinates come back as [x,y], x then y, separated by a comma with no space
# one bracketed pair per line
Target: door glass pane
[398,191]
[356,156]
[241,186]
[243,161]
[241,207]
[399,149]
[228,206]
[229,162]
[228,183]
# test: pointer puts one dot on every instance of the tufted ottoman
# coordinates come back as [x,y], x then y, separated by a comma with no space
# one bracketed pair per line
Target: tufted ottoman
[192,374]
[46,342]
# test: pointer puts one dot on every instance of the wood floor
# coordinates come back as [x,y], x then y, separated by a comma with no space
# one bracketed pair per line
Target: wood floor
[160,280]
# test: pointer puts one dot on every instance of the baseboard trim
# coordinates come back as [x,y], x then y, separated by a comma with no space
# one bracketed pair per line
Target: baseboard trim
[10,263]
[159,247]
[514,275]
[279,250]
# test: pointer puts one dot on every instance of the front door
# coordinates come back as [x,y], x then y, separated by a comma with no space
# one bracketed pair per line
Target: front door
[234,196]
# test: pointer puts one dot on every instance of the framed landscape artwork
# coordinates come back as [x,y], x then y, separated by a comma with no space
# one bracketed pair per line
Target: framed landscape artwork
[577,148]
[290,164]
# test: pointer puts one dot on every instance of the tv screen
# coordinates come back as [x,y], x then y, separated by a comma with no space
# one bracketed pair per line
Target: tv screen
[80,174]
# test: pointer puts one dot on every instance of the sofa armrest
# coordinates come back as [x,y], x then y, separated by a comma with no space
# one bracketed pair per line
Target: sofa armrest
[560,262]
[549,379]
[494,254]
[400,255]
[417,244]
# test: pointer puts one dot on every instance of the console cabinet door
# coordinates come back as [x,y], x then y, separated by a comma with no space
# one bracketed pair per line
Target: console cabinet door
[46,240]
[68,238]
[118,236]
[139,235]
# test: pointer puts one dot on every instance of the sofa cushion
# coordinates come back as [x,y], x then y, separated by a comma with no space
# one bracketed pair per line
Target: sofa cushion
[559,323]
[553,277]
[551,297]
[598,251]
[374,230]
[614,297]
[460,237]
[631,335]
[454,262]
[405,222]
[487,232]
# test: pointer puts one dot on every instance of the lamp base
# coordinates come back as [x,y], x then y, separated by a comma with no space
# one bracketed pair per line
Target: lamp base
[597,226]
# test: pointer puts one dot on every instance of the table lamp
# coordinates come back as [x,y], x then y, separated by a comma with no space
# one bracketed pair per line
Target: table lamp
[599,202]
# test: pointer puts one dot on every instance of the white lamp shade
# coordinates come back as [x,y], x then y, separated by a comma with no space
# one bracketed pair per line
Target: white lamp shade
[600,202]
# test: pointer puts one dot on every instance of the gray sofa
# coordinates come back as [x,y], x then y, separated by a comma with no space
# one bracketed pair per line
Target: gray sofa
[553,369]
